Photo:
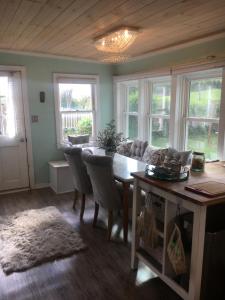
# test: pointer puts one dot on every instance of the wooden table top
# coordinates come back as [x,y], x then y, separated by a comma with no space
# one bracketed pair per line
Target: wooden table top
[213,172]
[123,166]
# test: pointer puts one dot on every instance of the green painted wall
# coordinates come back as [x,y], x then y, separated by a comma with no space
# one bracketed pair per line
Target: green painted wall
[39,78]
[172,58]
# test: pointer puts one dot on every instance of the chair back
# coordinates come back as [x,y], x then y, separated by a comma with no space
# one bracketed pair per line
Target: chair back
[100,170]
[81,178]
[137,149]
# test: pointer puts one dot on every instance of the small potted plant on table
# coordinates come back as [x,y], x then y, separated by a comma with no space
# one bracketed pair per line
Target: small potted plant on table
[108,139]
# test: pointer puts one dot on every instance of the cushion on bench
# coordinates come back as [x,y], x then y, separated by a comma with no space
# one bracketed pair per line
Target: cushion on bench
[137,149]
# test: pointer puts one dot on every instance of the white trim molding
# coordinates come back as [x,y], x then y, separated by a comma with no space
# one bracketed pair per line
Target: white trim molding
[25,100]
[76,78]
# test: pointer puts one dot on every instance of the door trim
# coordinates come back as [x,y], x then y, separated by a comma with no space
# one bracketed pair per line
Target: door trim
[27,124]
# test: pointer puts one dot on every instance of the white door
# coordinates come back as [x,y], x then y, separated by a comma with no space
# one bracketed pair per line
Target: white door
[13,147]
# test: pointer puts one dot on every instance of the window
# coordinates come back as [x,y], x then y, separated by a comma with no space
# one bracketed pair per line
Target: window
[159,113]
[75,97]
[183,110]
[202,112]
[131,112]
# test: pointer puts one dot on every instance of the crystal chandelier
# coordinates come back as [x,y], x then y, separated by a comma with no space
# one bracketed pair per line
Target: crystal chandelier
[116,58]
[116,41]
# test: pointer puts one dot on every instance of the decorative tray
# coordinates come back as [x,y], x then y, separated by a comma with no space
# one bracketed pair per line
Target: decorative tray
[164,174]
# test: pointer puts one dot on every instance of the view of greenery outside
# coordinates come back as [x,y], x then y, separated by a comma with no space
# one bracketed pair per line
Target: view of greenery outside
[132,107]
[83,126]
[75,99]
[160,106]
[205,97]
[160,137]
[133,127]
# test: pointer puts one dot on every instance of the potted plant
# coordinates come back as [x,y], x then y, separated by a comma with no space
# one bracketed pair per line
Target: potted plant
[108,139]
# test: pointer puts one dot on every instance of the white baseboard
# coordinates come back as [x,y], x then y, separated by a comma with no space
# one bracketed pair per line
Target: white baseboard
[14,191]
[40,186]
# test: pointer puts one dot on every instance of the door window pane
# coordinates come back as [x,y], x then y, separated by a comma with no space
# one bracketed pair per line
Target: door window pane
[7,108]
[205,96]
[203,137]
[160,132]
[161,98]
[133,99]
[132,127]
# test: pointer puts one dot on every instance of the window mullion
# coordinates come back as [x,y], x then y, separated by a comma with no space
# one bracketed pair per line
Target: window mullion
[221,137]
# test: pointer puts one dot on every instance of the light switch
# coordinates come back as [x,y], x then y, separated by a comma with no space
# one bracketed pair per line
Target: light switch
[34,119]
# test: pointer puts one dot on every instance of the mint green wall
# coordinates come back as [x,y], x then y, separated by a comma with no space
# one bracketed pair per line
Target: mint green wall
[39,78]
[172,58]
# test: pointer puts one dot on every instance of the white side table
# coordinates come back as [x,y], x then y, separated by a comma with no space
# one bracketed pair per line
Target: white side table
[60,177]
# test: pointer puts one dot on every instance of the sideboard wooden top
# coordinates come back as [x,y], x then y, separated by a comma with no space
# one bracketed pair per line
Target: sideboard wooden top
[213,172]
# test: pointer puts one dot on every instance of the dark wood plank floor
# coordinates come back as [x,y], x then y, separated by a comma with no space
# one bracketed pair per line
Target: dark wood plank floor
[100,272]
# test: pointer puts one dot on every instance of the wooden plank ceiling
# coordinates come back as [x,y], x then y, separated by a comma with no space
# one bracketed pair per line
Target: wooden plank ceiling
[68,27]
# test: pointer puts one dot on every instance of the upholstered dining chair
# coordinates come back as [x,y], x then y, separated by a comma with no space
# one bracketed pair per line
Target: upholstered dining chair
[81,179]
[105,190]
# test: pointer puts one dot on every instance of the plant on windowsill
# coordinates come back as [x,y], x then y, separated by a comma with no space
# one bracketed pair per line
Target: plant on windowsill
[108,139]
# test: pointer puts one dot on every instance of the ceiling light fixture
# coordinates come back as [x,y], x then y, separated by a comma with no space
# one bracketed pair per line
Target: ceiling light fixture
[116,58]
[116,41]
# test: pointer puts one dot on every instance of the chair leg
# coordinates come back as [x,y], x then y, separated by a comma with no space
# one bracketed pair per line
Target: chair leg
[82,207]
[75,198]
[96,214]
[110,223]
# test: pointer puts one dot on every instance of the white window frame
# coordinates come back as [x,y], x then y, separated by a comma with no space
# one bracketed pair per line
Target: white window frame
[179,95]
[148,104]
[126,112]
[144,104]
[75,78]
[183,107]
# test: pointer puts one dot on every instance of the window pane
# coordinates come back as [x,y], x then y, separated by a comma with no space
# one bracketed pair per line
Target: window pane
[203,137]
[160,132]
[75,96]
[133,99]
[161,98]
[7,107]
[76,124]
[132,127]
[205,96]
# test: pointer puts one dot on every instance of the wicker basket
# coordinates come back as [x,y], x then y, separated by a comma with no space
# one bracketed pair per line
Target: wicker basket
[175,251]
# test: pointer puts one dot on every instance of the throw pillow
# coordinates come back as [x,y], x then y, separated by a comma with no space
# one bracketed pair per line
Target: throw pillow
[137,149]
[183,156]
[124,148]
[153,156]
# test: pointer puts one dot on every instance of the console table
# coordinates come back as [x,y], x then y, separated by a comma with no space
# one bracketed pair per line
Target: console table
[174,195]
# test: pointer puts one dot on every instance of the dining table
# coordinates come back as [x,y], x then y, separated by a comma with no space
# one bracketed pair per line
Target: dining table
[123,166]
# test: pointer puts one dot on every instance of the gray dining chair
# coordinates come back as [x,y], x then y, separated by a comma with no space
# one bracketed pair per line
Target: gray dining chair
[81,179]
[105,190]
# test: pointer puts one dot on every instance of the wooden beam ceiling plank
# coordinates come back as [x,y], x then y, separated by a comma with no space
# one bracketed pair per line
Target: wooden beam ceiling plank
[169,33]
[44,17]
[104,24]
[184,43]
[72,12]
[154,7]
[8,14]
[101,8]
[186,12]
[25,13]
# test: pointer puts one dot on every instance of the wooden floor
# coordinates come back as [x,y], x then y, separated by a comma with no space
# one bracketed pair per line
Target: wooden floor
[100,272]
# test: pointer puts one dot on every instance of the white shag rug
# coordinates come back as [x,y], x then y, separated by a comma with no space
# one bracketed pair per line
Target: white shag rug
[35,236]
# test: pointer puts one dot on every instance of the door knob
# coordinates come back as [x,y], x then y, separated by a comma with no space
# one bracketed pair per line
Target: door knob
[22,140]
